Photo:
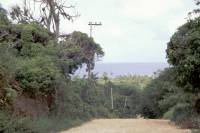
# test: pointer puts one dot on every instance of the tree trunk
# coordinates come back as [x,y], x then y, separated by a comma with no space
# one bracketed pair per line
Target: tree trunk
[57,30]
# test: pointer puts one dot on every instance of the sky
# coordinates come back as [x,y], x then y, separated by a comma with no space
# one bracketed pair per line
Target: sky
[132,30]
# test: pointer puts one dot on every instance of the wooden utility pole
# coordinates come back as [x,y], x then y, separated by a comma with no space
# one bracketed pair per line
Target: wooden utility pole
[91,24]
[111,96]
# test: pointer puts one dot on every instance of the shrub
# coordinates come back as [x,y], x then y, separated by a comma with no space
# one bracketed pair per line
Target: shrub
[196,131]
[169,114]
[12,124]
[185,116]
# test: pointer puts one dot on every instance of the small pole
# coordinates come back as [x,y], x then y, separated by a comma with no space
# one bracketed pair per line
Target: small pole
[125,102]
[111,94]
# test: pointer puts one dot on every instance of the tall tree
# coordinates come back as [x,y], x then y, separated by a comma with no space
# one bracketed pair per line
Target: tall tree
[195,12]
[183,53]
[22,14]
[88,50]
[50,15]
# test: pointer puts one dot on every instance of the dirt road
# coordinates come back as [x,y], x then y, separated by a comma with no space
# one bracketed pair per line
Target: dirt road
[127,126]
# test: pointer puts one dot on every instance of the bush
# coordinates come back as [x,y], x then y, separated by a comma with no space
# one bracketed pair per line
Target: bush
[162,94]
[37,75]
[185,116]
[43,124]
[169,114]
[196,131]
[10,124]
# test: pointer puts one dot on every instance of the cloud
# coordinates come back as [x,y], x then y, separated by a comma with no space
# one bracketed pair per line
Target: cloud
[8,3]
[148,9]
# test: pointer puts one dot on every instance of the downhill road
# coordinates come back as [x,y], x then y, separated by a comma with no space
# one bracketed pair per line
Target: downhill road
[127,126]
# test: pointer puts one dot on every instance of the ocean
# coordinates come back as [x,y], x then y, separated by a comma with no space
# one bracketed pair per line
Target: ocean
[121,69]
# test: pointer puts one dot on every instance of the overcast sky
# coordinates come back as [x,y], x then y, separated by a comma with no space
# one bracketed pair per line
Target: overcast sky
[132,30]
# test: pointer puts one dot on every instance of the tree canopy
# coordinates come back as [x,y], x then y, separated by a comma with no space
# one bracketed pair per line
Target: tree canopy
[183,53]
[50,14]
[89,51]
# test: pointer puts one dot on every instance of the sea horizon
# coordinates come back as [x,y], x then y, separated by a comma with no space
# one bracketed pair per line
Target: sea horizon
[115,69]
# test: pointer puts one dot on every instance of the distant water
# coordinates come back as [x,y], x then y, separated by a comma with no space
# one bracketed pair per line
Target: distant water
[119,69]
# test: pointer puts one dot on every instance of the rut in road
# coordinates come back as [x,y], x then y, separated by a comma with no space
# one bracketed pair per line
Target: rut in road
[127,126]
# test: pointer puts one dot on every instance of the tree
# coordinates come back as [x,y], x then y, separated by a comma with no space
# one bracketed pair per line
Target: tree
[197,2]
[22,15]
[88,51]
[195,12]
[183,53]
[51,12]
[160,94]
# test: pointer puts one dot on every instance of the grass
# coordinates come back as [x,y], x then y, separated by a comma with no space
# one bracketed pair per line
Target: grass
[196,131]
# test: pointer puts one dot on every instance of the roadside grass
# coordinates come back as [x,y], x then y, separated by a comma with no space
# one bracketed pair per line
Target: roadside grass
[196,131]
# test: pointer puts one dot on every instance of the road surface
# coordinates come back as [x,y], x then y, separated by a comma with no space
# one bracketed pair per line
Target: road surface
[127,126]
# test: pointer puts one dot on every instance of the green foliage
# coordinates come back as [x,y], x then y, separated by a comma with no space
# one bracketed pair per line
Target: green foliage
[34,65]
[183,53]
[34,32]
[154,93]
[127,93]
[163,99]
[182,112]
[195,131]
[169,114]
[133,80]
[185,116]
[87,51]
[10,124]
[90,101]
[126,100]
[37,75]
[10,93]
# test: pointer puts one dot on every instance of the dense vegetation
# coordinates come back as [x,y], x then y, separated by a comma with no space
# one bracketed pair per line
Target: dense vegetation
[37,88]
[162,98]
[35,85]
[175,93]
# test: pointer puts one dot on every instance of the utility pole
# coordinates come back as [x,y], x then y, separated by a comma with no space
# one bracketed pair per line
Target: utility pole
[92,24]
[125,102]
[111,95]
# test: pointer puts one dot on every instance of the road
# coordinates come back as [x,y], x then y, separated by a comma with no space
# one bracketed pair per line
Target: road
[127,126]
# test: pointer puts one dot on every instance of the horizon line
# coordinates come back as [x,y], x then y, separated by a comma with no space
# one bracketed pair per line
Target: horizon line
[98,62]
